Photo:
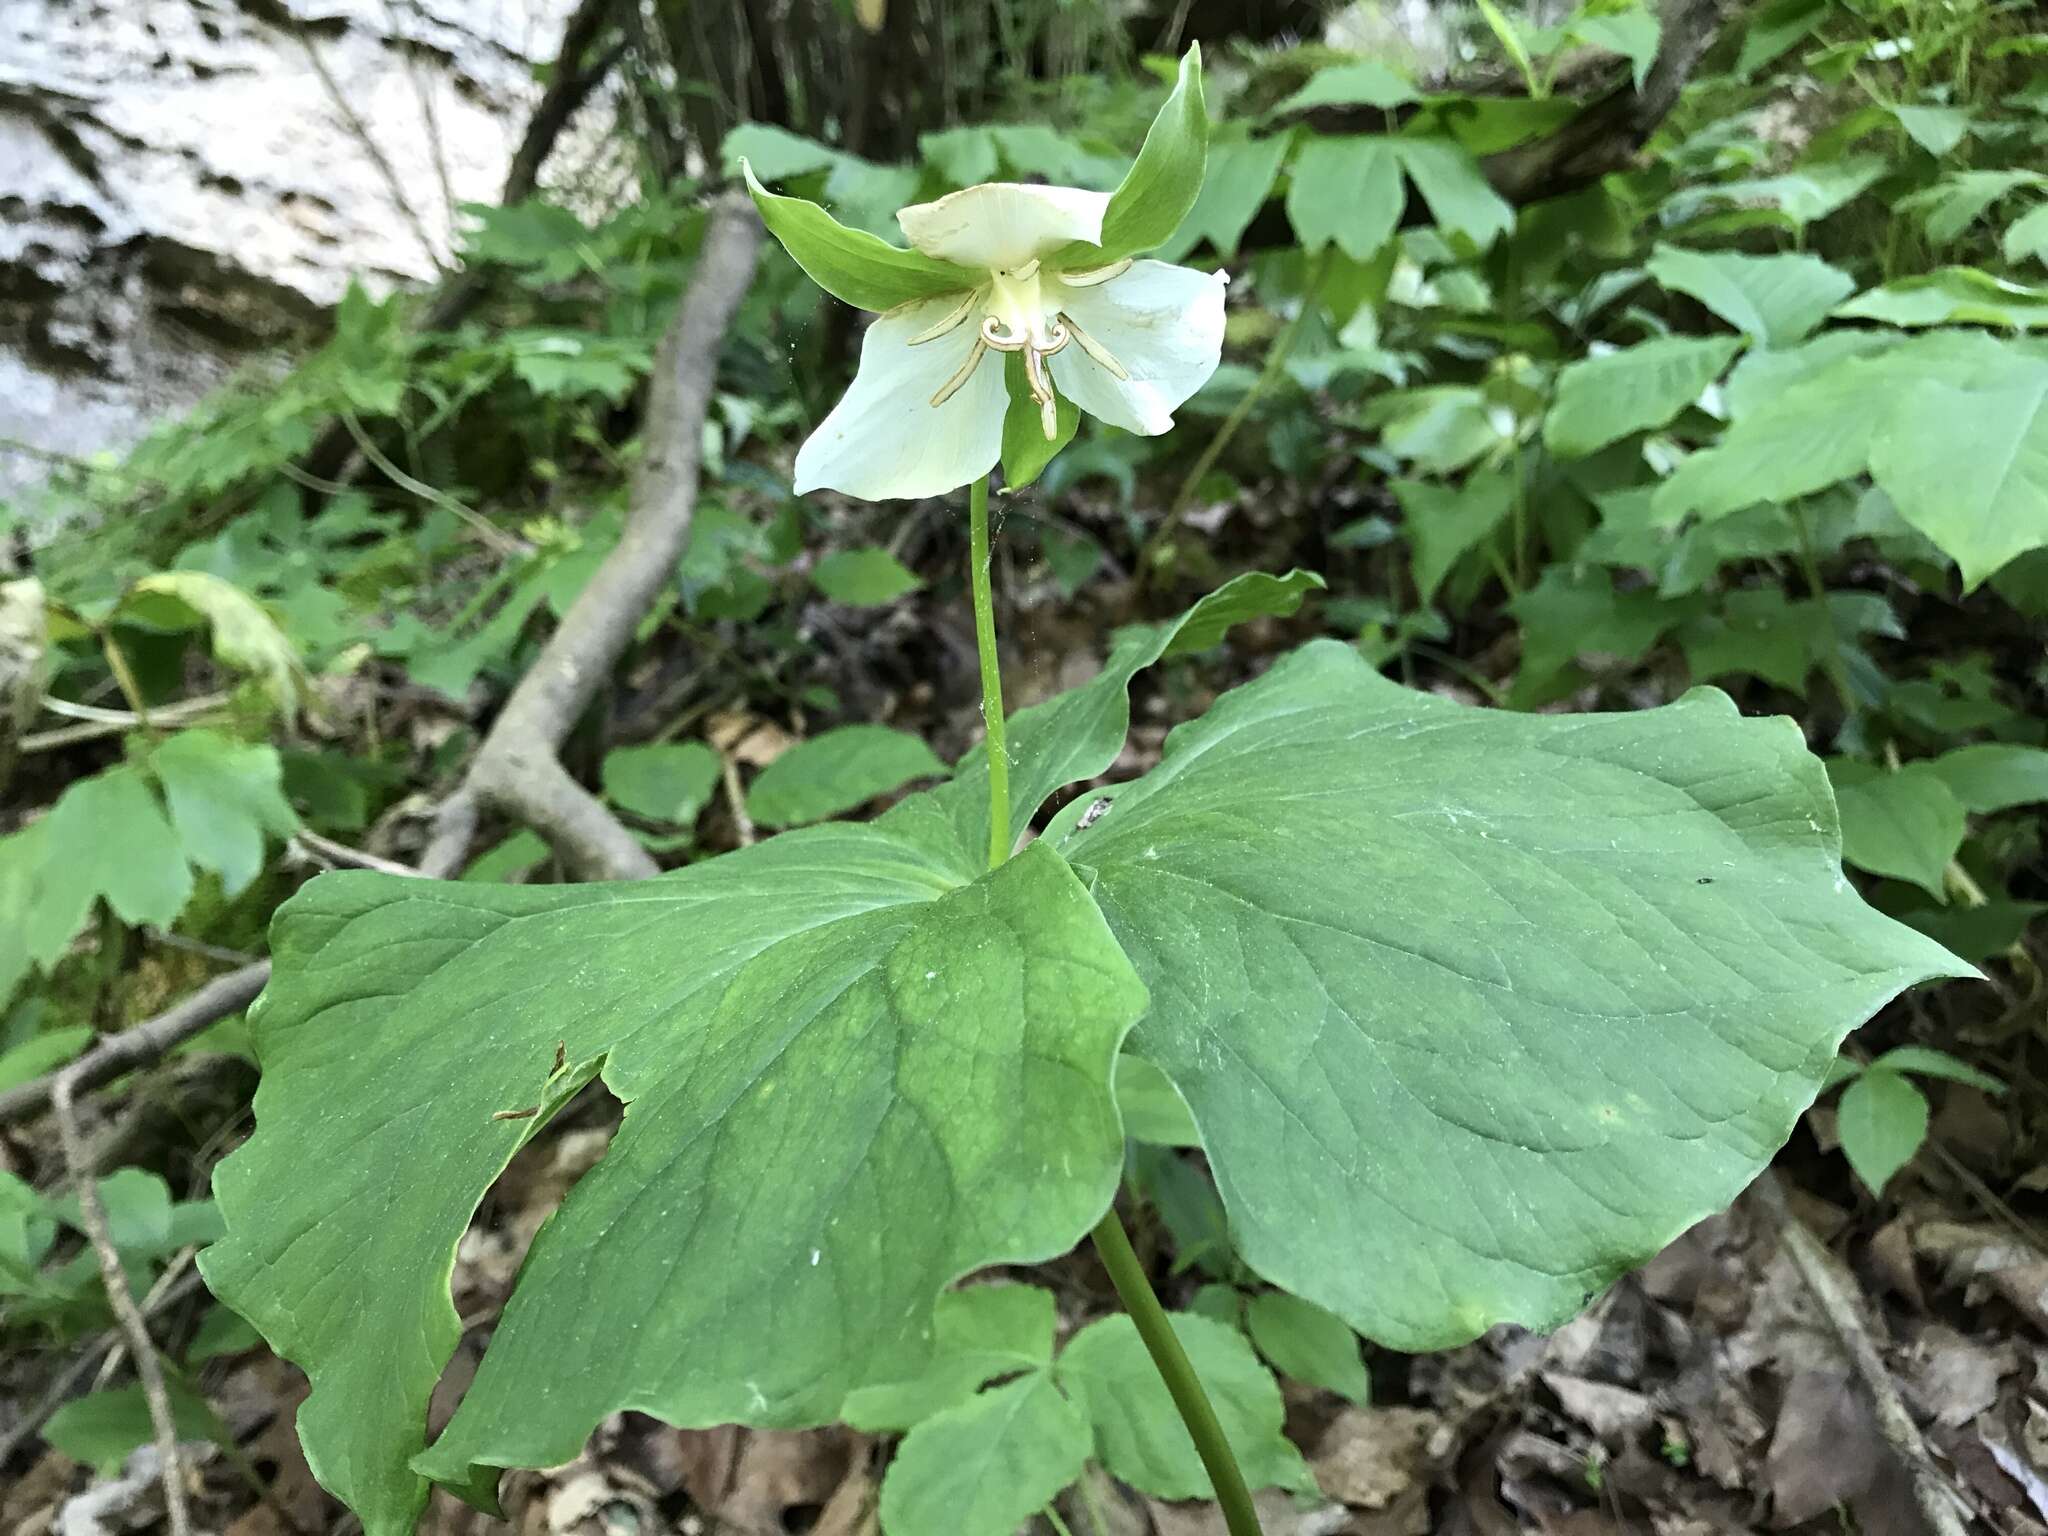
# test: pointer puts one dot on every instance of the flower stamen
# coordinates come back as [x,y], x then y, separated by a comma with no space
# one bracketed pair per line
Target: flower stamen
[1036,348]
[1098,276]
[951,387]
[954,316]
[1095,349]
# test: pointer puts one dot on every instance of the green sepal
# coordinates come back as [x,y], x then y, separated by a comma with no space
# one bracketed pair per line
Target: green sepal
[856,268]
[1026,448]
[1162,183]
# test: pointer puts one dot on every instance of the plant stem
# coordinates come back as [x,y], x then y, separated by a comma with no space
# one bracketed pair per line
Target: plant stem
[1832,663]
[991,673]
[1111,1241]
[1127,1274]
[124,678]
[1276,358]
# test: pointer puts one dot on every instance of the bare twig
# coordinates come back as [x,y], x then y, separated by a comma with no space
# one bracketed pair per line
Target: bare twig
[574,77]
[327,851]
[742,823]
[371,148]
[192,946]
[1608,133]
[148,1368]
[517,769]
[145,1044]
[96,721]
[1832,1291]
[503,542]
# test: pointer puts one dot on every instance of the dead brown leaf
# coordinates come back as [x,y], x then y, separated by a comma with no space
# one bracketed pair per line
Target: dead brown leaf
[1613,1413]
[1952,1378]
[767,1482]
[1826,1450]
[1369,1457]
[1987,1261]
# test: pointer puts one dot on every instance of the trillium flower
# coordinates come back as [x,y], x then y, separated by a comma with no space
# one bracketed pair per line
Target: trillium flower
[1010,301]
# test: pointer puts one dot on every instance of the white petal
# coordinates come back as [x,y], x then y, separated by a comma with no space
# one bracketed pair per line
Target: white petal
[1163,323]
[1003,224]
[885,438]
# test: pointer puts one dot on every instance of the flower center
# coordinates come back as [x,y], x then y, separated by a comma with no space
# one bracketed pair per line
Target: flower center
[1017,318]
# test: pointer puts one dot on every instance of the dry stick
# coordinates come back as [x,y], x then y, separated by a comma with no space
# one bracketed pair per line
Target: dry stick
[148,1368]
[371,147]
[1607,134]
[326,850]
[1823,1277]
[145,1044]
[517,768]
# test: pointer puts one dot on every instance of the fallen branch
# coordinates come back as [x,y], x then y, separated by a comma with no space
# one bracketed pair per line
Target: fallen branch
[1605,137]
[1823,1277]
[517,769]
[148,1368]
[143,1045]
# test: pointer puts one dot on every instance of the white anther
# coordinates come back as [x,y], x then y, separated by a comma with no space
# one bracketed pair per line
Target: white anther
[1098,276]
[954,316]
[951,387]
[1095,349]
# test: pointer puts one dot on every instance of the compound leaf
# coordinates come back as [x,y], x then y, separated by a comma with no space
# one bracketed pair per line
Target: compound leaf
[224,796]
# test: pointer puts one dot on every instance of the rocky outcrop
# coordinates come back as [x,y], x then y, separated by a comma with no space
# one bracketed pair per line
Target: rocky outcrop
[186,185]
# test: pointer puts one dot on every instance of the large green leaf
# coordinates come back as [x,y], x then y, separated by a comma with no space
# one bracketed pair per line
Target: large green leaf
[1968,464]
[1602,399]
[1475,1010]
[1775,300]
[917,1071]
